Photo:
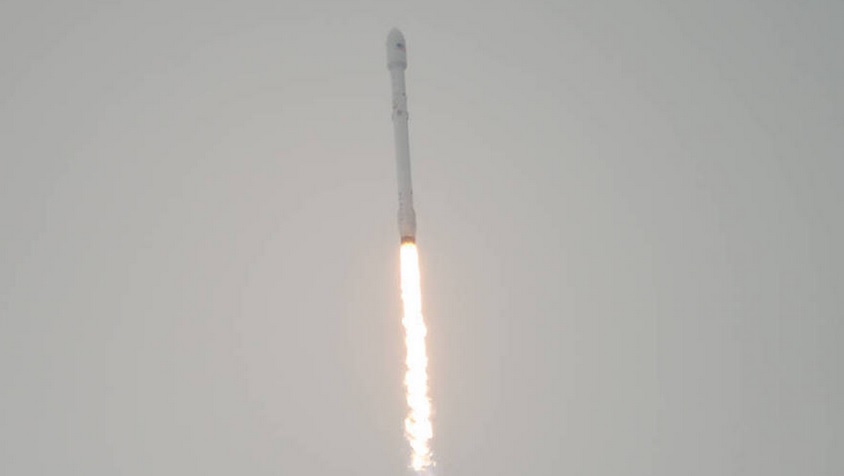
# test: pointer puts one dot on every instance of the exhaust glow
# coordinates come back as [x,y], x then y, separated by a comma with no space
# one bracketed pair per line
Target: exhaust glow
[417,425]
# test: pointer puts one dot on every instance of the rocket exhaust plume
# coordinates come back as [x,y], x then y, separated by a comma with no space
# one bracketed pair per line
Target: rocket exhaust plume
[417,424]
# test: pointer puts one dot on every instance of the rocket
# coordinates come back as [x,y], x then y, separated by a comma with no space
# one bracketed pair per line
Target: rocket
[397,63]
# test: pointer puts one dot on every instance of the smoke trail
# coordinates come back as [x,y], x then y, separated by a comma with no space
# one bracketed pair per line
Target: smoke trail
[417,425]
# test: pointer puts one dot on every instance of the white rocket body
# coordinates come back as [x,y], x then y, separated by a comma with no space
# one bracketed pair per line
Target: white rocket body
[397,63]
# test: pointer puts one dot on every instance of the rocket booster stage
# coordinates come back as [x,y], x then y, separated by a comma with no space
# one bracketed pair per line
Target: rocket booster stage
[397,63]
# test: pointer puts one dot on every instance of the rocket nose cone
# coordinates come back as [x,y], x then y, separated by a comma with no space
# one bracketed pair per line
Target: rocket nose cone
[396,50]
[395,37]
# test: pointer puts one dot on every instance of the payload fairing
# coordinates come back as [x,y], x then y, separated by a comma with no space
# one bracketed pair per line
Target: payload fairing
[397,63]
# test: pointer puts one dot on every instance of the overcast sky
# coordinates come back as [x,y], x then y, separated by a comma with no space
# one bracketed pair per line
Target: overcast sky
[630,226]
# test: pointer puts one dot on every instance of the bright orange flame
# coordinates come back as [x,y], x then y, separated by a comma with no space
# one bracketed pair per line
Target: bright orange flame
[417,425]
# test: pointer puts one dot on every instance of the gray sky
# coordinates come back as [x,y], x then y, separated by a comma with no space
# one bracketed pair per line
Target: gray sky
[629,219]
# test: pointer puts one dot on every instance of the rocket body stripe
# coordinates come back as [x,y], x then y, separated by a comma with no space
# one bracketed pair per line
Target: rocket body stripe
[397,63]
